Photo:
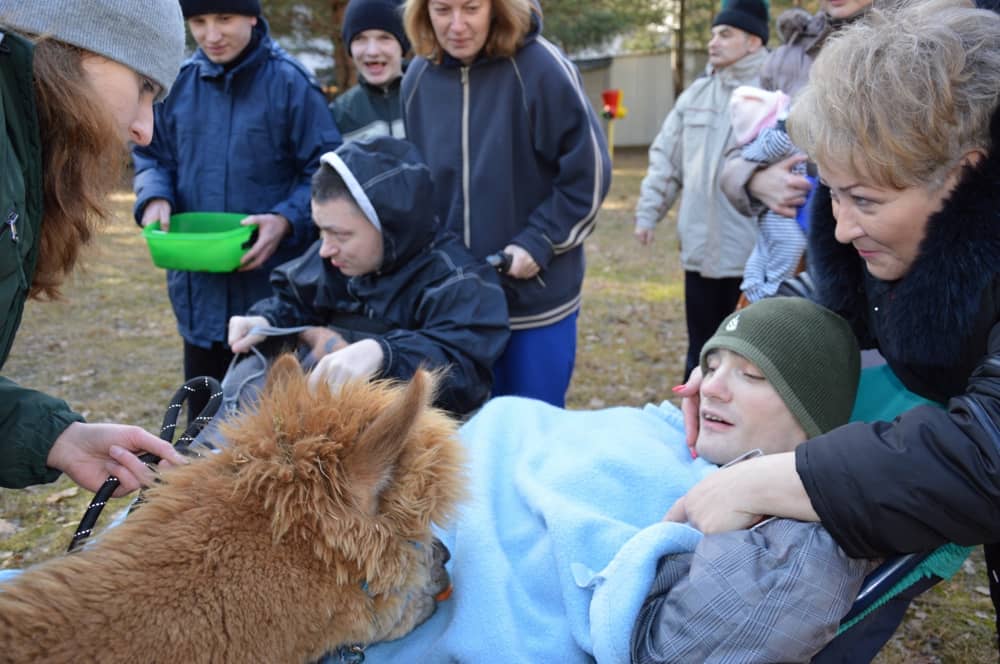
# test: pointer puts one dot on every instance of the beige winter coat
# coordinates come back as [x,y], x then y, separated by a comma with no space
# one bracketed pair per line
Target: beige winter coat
[688,154]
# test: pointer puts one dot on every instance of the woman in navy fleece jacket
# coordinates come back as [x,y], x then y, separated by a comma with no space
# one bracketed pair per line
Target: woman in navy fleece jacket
[520,165]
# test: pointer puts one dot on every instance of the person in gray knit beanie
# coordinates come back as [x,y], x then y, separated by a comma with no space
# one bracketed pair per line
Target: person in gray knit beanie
[77,83]
[806,352]
[146,36]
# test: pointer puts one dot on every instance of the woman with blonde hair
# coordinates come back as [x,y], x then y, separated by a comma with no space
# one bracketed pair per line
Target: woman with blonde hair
[77,84]
[901,116]
[520,166]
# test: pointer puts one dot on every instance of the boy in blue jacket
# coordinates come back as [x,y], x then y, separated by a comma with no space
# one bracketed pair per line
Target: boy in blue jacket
[242,131]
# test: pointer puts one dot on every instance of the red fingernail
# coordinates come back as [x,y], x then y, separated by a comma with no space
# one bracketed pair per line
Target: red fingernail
[676,388]
[694,455]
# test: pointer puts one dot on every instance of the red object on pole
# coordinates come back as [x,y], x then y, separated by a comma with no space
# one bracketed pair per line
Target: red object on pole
[611,99]
[613,107]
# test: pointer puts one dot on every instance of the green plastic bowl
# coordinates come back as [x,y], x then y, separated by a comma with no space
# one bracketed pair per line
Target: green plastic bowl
[200,241]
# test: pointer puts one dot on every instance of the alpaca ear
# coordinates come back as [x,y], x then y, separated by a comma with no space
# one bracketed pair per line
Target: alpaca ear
[283,370]
[373,458]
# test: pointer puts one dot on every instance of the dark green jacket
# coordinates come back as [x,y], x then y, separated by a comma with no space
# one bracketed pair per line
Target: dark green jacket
[29,421]
[364,111]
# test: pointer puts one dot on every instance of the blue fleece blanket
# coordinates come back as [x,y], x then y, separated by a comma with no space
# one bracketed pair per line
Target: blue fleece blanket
[557,547]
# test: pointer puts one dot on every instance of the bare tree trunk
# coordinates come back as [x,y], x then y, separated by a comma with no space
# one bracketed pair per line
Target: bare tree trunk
[344,75]
[679,49]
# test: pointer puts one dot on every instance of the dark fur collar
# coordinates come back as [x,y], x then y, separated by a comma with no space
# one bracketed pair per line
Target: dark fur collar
[936,305]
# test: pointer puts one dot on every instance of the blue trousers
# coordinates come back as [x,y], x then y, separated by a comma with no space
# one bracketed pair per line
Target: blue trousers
[538,363]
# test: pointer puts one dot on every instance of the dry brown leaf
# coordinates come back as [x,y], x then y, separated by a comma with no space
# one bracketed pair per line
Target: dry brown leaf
[62,495]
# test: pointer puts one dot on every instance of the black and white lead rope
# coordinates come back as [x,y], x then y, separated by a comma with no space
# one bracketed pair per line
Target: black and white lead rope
[202,384]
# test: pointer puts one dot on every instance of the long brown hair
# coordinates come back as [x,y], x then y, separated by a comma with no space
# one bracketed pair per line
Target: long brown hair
[83,157]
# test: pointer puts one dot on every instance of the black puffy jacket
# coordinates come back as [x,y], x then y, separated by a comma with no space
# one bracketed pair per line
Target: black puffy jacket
[933,475]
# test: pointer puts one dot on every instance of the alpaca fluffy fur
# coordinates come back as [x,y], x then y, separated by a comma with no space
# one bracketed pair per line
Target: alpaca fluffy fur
[310,530]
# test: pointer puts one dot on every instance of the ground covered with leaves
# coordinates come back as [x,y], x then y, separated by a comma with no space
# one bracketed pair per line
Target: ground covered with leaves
[112,351]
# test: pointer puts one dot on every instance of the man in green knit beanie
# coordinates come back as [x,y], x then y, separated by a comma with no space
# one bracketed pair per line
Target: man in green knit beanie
[775,374]
[787,347]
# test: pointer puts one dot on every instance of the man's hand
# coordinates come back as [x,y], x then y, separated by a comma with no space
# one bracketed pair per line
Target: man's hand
[271,228]
[778,188]
[645,236]
[157,209]
[358,360]
[522,265]
[88,453]
[322,341]
[239,339]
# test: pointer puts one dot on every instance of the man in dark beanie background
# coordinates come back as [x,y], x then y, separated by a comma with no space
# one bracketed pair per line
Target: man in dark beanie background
[242,131]
[373,34]
[687,154]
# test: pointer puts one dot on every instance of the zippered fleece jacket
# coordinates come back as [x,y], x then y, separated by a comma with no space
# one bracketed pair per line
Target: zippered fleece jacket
[518,157]
[30,421]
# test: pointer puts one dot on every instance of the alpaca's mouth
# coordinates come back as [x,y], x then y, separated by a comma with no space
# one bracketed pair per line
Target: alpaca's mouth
[440,577]
[445,594]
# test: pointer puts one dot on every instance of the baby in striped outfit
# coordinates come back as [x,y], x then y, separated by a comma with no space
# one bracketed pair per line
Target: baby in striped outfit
[758,119]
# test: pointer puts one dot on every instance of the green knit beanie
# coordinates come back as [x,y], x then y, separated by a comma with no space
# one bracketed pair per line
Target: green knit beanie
[808,353]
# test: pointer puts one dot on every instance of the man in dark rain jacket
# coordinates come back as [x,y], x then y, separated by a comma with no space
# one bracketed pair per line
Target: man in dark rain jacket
[386,289]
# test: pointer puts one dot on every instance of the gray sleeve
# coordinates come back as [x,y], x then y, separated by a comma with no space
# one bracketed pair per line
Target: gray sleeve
[770,145]
[775,593]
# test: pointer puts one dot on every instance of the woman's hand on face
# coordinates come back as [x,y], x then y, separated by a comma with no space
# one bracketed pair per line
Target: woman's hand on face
[522,265]
[741,495]
[690,405]
[240,340]
[157,209]
[88,453]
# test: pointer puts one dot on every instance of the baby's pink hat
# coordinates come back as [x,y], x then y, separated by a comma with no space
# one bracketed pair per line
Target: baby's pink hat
[752,109]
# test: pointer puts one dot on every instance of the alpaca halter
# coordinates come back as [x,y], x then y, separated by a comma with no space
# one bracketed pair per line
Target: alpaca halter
[167,429]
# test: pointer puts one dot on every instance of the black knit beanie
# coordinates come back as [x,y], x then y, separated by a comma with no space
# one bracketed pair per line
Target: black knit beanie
[808,353]
[195,7]
[747,15]
[385,15]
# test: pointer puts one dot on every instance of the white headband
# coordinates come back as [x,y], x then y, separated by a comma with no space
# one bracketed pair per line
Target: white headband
[333,160]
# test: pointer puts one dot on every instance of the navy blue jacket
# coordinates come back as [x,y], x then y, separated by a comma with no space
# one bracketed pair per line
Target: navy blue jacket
[527,137]
[245,140]
[430,303]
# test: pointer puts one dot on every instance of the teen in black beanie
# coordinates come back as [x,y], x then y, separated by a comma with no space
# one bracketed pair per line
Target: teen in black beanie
[196,7]
[385,15]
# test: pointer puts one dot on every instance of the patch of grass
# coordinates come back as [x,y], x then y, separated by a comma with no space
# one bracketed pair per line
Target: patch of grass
[112,351]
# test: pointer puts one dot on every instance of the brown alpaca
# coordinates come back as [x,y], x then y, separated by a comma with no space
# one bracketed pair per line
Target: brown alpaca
[311,530]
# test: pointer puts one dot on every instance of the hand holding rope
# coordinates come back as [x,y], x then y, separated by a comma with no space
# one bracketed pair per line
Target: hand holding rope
[194,386]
